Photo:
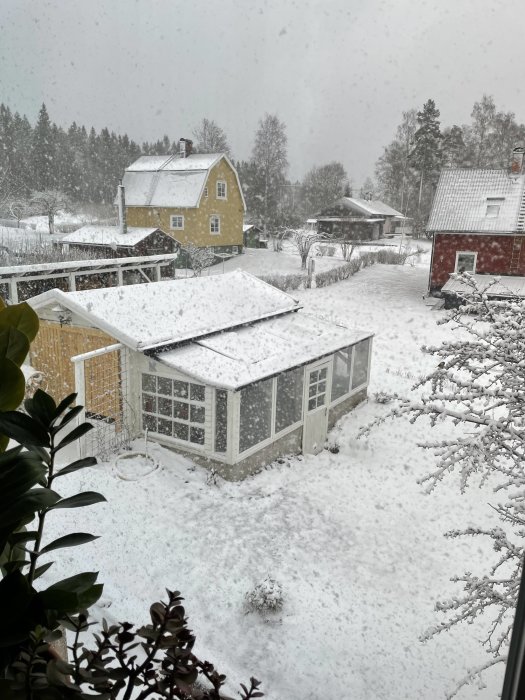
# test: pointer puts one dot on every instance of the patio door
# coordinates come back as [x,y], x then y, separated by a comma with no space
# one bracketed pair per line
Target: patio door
[316,413]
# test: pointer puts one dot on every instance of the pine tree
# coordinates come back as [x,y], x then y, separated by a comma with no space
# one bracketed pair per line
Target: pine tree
[426,154]
[43,152]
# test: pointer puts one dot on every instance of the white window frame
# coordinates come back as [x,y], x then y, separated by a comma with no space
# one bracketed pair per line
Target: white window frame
[177,216]
[187,444]
[219,184]
[466,252]
[215,217]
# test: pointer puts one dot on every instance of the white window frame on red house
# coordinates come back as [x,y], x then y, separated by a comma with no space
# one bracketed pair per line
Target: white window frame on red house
[215,225]
[222,189]
[466,252]
[177,218]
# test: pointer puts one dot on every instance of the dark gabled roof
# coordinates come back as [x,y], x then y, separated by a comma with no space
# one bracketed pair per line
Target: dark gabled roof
[460,202]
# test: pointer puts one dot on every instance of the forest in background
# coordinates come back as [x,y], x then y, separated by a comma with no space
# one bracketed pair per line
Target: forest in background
[86,165]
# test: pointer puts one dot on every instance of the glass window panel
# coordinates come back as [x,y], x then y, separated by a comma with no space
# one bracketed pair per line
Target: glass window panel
[149,382]
[360,371]
[164,426]
[312,403]
[197,392]
[180,410]
[256,414]
[180,431]
[322,373]
[180,389]
[164,386]
[221,420]
[321,387]
[149,422]
[341,373]
[314,376]
[466,262]
[197,414]
[165,407]
[197,435]
[149,403]
[312,390]
[320,400]
[289,399]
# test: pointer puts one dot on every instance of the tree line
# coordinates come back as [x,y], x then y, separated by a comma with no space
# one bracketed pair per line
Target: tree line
[408,170]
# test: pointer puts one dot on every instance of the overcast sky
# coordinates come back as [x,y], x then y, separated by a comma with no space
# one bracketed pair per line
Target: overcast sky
[337,72]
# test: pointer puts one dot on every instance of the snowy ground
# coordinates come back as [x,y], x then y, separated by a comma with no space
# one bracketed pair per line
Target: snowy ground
[40,223]
[357,547]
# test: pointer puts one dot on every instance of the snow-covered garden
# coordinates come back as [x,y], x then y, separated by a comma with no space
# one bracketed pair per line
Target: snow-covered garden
[353,546]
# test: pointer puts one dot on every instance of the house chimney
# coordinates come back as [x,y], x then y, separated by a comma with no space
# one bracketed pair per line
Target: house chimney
[122,209]
[517,162]
[185,147]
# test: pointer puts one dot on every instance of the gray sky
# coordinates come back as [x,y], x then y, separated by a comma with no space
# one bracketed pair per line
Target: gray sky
[338,72]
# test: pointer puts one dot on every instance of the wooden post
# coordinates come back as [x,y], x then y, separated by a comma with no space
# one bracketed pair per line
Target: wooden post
[80,388]
[13,291]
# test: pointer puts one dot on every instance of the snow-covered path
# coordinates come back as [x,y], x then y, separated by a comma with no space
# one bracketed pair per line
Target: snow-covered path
[356,545]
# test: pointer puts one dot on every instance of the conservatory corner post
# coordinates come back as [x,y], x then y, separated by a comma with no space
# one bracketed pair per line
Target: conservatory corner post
[80,388]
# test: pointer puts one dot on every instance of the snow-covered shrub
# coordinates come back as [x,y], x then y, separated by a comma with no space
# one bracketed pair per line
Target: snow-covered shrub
[212,478]
[382,397]
[285,283]
[266,597]
[326,250]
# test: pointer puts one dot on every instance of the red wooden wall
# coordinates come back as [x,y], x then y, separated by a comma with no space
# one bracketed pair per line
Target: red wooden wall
[498,254]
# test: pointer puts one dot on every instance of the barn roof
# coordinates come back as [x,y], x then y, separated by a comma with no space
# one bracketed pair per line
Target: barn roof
[246,355]
[145,316]
[461,199]
[170,181]
[108,235]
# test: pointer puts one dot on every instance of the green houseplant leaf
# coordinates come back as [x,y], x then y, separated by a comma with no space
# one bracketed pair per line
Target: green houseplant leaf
[13,344]
[22,317]
[24,429]
[72,540]
[87,498]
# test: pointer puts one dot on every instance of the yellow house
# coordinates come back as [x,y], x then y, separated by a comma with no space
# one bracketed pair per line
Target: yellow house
[195,198]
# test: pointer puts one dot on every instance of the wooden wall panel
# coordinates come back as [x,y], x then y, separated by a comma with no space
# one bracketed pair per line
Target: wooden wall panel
[51,353]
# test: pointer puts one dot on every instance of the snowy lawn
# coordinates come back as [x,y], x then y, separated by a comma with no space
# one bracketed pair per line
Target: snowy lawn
[355,544]
[261,261]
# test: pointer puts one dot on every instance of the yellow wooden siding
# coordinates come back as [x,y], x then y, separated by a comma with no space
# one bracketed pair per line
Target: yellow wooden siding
[51,353]
[197,220]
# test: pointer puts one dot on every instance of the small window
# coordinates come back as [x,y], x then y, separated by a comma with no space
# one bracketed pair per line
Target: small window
[215,225]
[221,420]
[493,207]
[221,189]
[466,262]
[341,373]
[289,399]
[177,222]
[235,249]
[255,414]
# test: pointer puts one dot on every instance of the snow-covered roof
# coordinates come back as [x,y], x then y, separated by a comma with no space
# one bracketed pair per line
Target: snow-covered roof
[373,207]
[143,316]
[460,203]
[164,189]
[494,285]
[170,181]
[196,161]
[108,235]
[237,358]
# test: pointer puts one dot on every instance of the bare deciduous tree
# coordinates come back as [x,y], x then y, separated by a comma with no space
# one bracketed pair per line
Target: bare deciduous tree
[210,138]
[478,385]
[198,258]
[303,241]
[49,203]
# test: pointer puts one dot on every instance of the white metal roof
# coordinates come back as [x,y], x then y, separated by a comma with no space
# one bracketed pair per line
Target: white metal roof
[108,235]
[460,203]
[164,189]
[171,181]
[196,161]
[234,359]
[161,313]
[494,285]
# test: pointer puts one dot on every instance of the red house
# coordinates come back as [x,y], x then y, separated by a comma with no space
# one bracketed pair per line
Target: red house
[478,223]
